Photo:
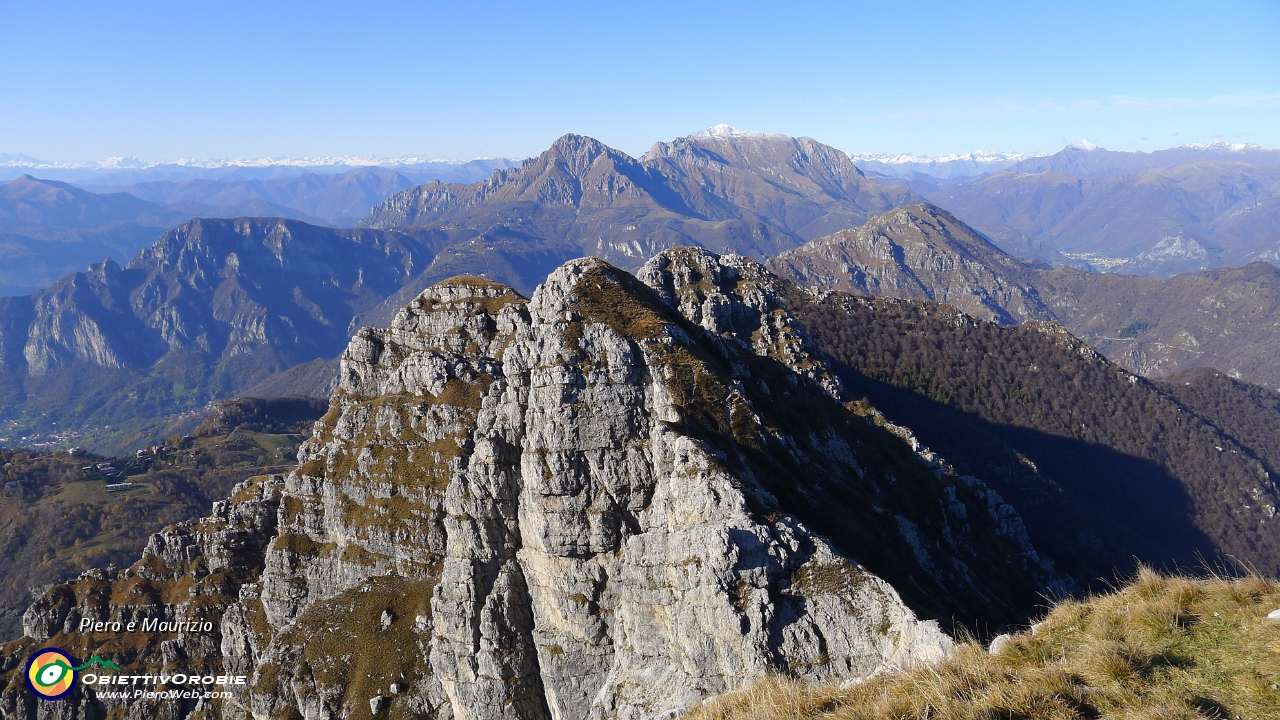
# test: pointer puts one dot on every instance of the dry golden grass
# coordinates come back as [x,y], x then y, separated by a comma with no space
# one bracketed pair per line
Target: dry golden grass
[1161,648]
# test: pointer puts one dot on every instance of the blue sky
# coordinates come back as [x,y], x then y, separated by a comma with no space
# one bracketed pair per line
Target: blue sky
[168,80]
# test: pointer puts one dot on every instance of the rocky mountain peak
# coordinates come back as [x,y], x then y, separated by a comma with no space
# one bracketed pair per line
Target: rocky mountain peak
[919,252]
[580,151]
[611,500]
[734,147]
[729,190]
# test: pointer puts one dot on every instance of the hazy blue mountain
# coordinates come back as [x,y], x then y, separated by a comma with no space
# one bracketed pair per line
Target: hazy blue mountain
[337,199]
[49,229]
[50,203]
[34,257]
[1159,221]
[946,167]
[1084,158]
[131,171]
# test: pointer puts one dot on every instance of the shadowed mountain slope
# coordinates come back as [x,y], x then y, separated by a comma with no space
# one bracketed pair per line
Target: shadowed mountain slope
[1247,413]
[1105,466]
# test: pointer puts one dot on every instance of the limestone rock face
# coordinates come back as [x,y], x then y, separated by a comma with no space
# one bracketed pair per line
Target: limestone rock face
[609,501]
[920,252]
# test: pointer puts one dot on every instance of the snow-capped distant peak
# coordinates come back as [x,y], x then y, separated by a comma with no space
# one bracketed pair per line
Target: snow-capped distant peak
[1222,146]
[729,131]
[122,163]
[980,156]
[11,160]
[1083,145]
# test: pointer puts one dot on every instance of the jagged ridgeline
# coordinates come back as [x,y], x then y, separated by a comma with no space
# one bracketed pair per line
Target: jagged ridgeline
[611,500]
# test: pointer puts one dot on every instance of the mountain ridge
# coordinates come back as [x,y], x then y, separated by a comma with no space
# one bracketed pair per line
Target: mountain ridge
[1149,326]
[1159,221]
[702,189]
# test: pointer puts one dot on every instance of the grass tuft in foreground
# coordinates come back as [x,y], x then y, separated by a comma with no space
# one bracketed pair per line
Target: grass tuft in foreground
[1161,648]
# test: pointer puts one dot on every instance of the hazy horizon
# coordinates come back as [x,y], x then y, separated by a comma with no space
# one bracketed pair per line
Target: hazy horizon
[124,162]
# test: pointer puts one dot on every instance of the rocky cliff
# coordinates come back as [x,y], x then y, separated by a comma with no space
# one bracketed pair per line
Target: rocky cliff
[611,500]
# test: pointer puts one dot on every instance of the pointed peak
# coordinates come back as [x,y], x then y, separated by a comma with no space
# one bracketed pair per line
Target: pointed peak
[581,146]
[1083,144]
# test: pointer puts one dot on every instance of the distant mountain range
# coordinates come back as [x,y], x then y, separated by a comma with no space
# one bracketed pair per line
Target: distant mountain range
[903,165]
[339,199]
[1181,210]
[128,171]
[1079,158]
[1085,158]
[221,307]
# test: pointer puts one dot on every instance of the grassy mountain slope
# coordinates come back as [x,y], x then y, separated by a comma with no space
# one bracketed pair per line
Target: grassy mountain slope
[1159,647]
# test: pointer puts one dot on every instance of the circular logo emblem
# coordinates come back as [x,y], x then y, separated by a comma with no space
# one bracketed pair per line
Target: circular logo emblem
[51,673]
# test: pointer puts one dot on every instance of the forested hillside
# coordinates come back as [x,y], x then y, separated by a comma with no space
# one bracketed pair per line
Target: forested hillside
[1104,465]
